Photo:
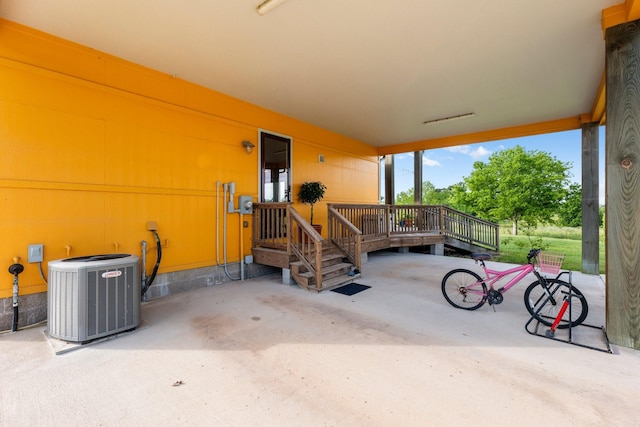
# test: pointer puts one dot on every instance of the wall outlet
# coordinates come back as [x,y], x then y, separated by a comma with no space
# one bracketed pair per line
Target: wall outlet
[35,253]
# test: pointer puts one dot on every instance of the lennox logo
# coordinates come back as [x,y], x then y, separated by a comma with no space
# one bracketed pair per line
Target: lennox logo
[109,274]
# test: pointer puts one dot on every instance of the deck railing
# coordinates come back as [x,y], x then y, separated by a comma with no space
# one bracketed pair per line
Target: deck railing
[371,220]
[351,224]
[381,220]
[415,219]
[270,225]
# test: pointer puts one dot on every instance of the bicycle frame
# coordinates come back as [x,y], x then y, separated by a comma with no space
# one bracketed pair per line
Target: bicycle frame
[494,276]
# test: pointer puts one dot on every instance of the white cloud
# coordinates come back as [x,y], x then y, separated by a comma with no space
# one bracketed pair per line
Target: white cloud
[429,162]
[466,150]
[479,152]
[458,149]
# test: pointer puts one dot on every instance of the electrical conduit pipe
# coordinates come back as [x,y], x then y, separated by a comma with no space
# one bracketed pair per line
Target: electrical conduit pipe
[231,187]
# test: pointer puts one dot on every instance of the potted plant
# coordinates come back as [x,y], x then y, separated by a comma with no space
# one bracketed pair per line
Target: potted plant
[312,192]
[406,220]
[409,220]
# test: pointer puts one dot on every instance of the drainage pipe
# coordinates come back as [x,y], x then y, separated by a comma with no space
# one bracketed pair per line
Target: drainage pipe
[15,269]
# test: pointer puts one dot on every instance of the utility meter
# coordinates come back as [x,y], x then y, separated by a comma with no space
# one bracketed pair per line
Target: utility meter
[246,205]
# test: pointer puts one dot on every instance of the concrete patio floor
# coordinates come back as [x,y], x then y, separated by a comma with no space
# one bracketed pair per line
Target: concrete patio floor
[261,353]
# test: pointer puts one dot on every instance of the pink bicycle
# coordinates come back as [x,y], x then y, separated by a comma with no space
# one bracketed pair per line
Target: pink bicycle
[544,298]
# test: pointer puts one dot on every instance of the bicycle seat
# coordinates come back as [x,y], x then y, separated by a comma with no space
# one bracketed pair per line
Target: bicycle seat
[480,257]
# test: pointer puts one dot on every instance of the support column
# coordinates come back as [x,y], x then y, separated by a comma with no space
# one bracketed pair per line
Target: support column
[417,178]
[590,199]
[623,184]
[389,187]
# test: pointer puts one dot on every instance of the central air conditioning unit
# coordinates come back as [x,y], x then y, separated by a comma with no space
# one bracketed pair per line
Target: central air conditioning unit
[93,296]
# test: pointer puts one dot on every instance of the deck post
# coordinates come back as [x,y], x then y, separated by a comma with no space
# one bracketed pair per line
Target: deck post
[590,199]
[623,184]
[437,249]
[387,212]
[389,187]
[286,276]
[417,178]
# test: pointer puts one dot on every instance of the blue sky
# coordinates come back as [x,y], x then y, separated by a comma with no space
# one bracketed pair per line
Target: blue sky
[448,166]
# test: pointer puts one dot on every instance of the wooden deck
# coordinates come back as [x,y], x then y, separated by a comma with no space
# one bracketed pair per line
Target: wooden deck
[283,238]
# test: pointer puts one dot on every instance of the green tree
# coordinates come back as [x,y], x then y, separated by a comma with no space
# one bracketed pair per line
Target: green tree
[439,196]
[517,185]
[430,195]
[405,197]
[570,210]
[458,199]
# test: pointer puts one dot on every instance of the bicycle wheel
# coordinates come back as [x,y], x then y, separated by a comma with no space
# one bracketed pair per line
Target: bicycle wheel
[464,289]
[548,304]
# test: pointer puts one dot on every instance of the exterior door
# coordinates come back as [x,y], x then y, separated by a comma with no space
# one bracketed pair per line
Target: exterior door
[275,168]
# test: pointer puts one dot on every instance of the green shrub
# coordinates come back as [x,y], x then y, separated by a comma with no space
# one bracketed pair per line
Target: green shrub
[564,240]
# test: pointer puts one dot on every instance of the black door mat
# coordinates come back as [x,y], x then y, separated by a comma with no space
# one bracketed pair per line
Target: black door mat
[350,289]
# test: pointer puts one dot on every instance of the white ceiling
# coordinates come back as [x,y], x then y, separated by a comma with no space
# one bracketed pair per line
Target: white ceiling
[373,70]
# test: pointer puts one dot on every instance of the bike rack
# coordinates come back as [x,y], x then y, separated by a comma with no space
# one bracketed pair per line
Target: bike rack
[550,334]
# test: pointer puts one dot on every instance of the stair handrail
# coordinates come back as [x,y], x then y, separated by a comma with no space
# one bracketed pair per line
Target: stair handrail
[305,243]
[468,228]
[346,236]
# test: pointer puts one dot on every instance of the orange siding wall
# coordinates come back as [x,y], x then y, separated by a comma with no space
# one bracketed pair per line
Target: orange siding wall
[93,147]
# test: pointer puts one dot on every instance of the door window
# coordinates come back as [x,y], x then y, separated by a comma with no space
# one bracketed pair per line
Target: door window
[275,168]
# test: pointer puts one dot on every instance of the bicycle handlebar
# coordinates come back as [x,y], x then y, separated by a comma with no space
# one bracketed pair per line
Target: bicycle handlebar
[532,254]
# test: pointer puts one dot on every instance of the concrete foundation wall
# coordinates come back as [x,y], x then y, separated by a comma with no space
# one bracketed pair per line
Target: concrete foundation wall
[32,308]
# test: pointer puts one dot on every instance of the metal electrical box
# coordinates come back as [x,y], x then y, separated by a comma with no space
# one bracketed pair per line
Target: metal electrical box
[35,253]
[246,205]
[93,296]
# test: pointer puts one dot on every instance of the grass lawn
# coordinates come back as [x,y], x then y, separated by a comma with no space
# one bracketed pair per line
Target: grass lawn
[563,240]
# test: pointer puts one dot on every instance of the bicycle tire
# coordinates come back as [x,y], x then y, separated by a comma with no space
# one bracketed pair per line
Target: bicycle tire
[456,285]
[535,296]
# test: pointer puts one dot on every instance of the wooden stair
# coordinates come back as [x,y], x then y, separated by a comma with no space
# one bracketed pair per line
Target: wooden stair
[335,272]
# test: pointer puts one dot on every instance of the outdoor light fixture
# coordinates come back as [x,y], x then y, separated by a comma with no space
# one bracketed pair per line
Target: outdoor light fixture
[248,146]
[448,119]
[267,5]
